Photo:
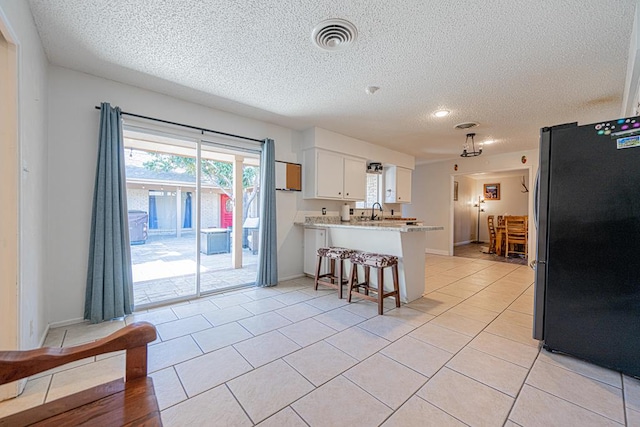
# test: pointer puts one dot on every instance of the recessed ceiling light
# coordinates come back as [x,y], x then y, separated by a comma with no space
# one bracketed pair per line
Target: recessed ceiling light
[442,113]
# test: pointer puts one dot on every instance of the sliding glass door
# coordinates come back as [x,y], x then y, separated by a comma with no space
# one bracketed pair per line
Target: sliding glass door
[229,180]
[193,211]
[161,186]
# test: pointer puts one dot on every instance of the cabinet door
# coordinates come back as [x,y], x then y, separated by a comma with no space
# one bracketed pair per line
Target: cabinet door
[403,185]
[390,185]
[397,185]
[329,174]
[355,179]
[314,238]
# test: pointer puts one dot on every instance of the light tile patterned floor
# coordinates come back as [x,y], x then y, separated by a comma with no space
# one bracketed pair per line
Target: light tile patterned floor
[461,355]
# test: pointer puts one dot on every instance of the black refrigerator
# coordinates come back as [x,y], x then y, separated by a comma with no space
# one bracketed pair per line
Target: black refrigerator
[587,279]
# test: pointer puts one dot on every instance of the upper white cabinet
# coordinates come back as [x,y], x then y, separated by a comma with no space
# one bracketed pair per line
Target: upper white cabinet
[331,175]
[397,185]
[355,178]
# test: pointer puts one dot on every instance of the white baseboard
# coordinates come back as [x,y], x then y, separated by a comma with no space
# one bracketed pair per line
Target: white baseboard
[295,276]
[436,252]
[66,322]
[466,242]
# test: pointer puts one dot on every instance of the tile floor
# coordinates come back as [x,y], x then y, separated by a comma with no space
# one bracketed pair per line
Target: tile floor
[474,250]
[291,356]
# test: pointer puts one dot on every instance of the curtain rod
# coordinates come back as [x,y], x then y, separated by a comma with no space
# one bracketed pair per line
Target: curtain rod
[187,126]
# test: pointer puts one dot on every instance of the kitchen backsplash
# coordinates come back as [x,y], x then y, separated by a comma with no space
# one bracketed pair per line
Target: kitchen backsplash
[322,219]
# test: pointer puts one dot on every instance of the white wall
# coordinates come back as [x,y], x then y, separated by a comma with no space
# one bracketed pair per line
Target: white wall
[433,204]
[32,102]
[462,210]
[73,134]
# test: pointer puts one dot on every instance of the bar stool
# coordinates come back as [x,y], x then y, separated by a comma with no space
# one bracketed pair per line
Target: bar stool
[380,262]
[332,279]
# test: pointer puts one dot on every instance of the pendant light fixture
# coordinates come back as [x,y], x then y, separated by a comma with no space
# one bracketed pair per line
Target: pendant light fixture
[470,150]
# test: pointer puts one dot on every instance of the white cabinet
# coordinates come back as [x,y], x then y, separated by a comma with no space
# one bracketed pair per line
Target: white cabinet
[314,238]
[397,185]
[330,175]
[355,178]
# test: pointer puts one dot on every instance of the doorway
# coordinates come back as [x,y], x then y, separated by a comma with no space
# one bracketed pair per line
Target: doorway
[226,211]
[186,215]
[508,194]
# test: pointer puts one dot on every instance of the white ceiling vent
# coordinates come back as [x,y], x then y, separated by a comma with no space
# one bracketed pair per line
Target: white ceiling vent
[334,34]
[466,125]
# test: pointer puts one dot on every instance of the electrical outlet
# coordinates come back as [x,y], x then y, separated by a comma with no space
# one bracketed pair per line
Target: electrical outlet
[324,211]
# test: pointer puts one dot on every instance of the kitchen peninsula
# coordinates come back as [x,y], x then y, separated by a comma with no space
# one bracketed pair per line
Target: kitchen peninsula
[407,242]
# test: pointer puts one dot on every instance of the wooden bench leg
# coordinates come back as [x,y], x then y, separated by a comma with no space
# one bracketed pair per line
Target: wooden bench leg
[340,272]
[318,265]
[366,279]
[353,277]
[396,286]
[380,289]
[332,263]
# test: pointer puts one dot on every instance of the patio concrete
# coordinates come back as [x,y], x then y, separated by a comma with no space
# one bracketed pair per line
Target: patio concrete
[164,268]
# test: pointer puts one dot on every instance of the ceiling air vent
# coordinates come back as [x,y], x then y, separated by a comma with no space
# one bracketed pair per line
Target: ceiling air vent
[334,34]
[466,125]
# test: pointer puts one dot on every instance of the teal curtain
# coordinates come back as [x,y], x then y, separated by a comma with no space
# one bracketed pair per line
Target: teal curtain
[109,281]
[268,241]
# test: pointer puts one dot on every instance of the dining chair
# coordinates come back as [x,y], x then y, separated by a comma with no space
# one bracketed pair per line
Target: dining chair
[492,234]
[517,228]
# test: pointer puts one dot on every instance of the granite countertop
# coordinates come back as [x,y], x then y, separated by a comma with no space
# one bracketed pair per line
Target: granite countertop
[377,225]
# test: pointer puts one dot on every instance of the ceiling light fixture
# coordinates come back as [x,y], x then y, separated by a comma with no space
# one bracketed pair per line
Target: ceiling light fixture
[466,125]
[442,113]
[470,150]
[372,89]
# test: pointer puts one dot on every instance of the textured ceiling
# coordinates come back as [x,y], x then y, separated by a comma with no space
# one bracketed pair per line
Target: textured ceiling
[511,65]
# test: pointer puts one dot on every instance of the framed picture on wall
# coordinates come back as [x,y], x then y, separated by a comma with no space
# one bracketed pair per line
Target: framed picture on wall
[455,191]
[492,191]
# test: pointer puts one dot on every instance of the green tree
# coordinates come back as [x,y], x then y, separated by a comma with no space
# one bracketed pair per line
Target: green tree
[213,172]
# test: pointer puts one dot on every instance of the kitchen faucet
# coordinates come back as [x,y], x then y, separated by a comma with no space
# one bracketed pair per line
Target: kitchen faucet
[373,216]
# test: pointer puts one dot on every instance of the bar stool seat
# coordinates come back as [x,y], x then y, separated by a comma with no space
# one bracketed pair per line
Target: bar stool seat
[379,261]
[332,279]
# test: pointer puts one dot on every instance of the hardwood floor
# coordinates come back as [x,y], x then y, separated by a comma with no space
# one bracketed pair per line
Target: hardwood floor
[474,250]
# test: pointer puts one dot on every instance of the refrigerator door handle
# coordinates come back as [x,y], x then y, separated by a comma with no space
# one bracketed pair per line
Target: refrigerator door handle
[536,202]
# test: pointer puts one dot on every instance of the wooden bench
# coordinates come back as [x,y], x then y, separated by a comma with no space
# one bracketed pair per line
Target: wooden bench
[123,402]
